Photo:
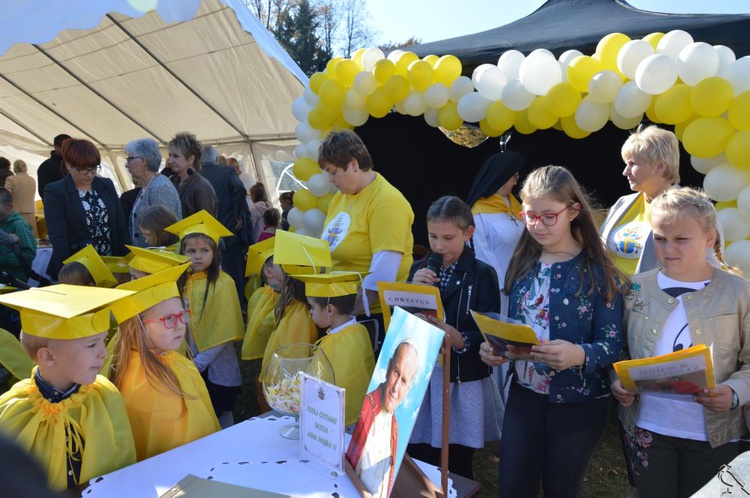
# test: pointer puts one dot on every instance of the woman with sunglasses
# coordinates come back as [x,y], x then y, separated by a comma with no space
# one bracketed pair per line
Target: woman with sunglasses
[83,208]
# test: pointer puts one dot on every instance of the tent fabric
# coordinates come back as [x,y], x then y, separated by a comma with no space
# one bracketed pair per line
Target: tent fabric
[560,25]
[111,72]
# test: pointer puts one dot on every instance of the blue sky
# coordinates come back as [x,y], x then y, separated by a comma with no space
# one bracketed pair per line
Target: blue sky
[431,20]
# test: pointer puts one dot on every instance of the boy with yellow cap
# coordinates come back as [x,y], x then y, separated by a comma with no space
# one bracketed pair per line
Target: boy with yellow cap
[86,267]
[346,344]
[71,419]
[166,399]
[215,312]
[262,303]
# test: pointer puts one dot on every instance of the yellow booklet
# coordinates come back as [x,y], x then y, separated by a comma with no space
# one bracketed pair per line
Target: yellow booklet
[501,332]
[414,298]
[683,372]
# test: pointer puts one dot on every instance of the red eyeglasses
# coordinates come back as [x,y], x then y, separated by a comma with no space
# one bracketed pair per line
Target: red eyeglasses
[547,219]
[170,321]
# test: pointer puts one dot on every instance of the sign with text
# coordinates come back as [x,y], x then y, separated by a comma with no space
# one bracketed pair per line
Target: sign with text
[322,422]
[415,298]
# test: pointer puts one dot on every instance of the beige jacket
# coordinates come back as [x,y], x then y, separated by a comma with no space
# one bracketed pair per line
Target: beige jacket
[719,316]
[23,189]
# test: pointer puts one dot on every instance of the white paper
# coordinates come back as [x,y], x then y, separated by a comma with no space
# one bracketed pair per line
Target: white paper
[322,422]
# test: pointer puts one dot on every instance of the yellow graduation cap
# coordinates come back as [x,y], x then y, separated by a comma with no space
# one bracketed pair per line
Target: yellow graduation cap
[300,254]
[149,291]
[257,254]
[340,283]
[64,311]
[94,263]
[200,222]
[118,264]
[154,260]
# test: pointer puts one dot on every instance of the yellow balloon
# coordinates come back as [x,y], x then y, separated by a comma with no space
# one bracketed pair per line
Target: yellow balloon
[679,128]
[522,124]
[396,88]
[402,64]
[304,200]
[357,57]
[712,96]
[738,148]
[499,117]
[383,70]
[332,93]
[673,106]
[653,38]
[430,59]
[447,69]
[739,111]
[707,137]
[651,112]
[346,71]
[538,114]
[324,201]
[571,128]
[420,74]
[378,103]
[448,116]
[608,48]
[331,67]
[725,204]
[316,80]
[562,99]
[317,119]
[489,130]
[304,168]
[581,70]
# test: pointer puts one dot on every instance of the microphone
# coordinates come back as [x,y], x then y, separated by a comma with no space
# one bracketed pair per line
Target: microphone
[434,262]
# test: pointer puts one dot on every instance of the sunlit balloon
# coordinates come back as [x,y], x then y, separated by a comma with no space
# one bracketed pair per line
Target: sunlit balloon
[590,115]
[725,182]
[473,107]
[310,97]
[706,164]
[726,57]
[355,116]
[354,99]
[631,101]
[365,83]
[735,225]
[707,137]
[294,217]
[539,72]
[516,97]
[739,111]
[404,61]
[300,109]
[631,54]
[378,103]
[420,74]
[304,132]
[673,106]
[656,73]
[510,62]
[622,122]
[447,70]
[672,43]
[311,148]
[568,56]
[383,70]
[539,115]
[396,88]
[654,38]
[738,255]
[609,47]
[436,95]
[562,100]
[571,128]
[738,148]
[432,117]
[414,103]
[491,82]
[500,117]
[346,71]
[522,124]
[696,62]
[712,96]
[448,116]
[581,70]
[738,75]
[313,219]
[318,184]
[370,57]
[604,85]
[743,202]
[460,87]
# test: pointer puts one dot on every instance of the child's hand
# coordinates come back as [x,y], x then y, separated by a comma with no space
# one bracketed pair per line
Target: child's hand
[622,395]
[718,399]
[424,276]
[457,341]
[487,354]
[559,354]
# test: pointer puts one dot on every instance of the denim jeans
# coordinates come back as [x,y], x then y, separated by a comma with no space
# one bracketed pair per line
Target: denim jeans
[547,443]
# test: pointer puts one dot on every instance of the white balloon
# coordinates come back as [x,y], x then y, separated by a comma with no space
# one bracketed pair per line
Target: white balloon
[539,72]
[415,104]
[400,107]
[332,188]
[432,117]
[490,83]
[460,87]
[294,217]
[706,164]
[516,97]
[726,57]
[743,202]
[543,51]
[672,43]
[365,83]
[305,232]
[300,150]
[631,101]
[473,107]
[370,57]
[510,62]
[313,221]
[436,95]
[738,255]
[725,182]
[318,184]
[735,226]
[300,109]
[696,62]
[738,75]
[656,74]
[355,117]
[354,99]
[590,115]
[621,121]
[310,97]
[311,148]
[304,132]
[477,71]
[568,56]
[395,55]
[604,85]
[631,54]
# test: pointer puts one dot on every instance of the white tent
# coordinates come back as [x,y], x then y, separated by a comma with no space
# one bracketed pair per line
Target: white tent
[115,70]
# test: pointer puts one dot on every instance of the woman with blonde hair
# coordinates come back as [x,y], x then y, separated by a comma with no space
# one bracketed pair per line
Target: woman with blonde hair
[23,188]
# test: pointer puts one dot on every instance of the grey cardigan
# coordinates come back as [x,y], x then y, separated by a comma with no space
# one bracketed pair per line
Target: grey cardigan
[159,191]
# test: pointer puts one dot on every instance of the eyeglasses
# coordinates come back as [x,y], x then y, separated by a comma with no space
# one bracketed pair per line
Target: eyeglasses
[128,159]
[547,219]
[88,171]
[170,321]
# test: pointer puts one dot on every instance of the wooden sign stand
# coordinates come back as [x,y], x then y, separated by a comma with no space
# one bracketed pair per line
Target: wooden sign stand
[411,482]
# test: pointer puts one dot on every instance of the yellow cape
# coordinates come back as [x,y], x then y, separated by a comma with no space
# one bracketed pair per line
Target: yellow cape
[295,326]
[221,319]
[350,353]
[13,357]
[161,419]
[96,413]
[496,204]
[260,322]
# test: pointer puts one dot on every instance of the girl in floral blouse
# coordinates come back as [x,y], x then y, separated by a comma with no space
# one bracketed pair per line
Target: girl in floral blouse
[562,284]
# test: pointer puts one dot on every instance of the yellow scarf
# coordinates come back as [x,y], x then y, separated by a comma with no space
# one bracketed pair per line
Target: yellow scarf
[260,322]
[220,321]
[13,357]
[495,204]
[96,414]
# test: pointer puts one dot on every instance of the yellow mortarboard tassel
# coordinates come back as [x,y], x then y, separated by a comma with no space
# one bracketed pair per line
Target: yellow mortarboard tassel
[257,254]
[300,254]
[200,222]
[94,263]
[149,291]
[336,284]
[64,311]
[154,260]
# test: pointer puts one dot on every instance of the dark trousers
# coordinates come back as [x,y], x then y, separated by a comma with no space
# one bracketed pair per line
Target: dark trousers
[460,458]
[547,443]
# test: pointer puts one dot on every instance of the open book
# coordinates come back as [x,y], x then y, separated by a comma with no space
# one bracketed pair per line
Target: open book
[501,332]
[683,372]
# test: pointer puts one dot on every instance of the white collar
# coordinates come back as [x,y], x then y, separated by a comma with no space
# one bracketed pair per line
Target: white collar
[352,321]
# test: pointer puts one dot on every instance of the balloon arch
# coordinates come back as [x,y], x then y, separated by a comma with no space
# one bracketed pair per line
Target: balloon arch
[703,90]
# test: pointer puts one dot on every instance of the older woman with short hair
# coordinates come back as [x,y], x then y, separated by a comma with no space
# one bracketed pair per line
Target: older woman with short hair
[143,160]
[196,193]
[23,189]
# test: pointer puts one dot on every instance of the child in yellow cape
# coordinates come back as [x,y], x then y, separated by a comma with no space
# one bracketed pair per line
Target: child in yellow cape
[70,419]
[261,306]
[346,344]
[216,316]
[165,397]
